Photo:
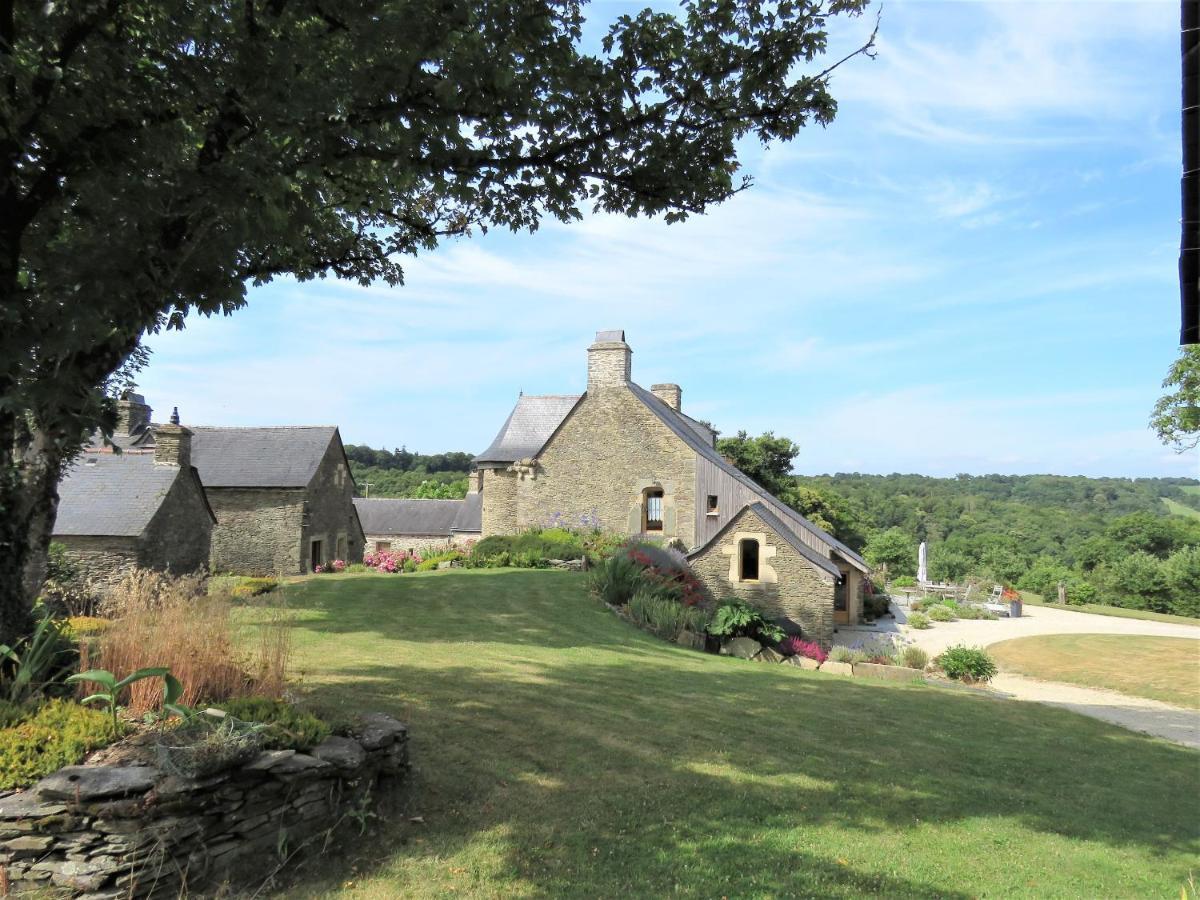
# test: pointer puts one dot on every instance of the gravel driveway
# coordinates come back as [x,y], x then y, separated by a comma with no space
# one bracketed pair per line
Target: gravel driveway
[1135,713]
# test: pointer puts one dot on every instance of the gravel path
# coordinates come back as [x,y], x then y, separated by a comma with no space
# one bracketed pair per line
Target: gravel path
[1135,713]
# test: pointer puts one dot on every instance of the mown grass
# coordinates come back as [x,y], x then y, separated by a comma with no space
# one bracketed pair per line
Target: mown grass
[559,752]
[1179,509]
[1119,612]
[1160,668]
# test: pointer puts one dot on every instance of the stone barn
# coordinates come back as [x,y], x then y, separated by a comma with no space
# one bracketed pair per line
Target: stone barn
[142,508]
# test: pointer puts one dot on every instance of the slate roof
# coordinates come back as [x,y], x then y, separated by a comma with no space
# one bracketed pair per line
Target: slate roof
[272,456]
[692,438]
[388,516]
[112,495]
[470,515]
[528,427]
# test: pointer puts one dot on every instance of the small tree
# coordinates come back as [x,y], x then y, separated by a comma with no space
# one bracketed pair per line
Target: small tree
[1176,416]
[894,549]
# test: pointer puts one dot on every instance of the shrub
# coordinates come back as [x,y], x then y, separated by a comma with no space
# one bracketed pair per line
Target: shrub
[357,568]
[54,735]
[940,613]
[918,620]
[913,658]
[876,605]
[12,713]
[177,626]
[975,612]
[287,728]
[797,646]
[35,664]
[662,615]
[736,618]
[432,561]
[615,580]
[904,581]
[200,749]
[970,663]
[842,654]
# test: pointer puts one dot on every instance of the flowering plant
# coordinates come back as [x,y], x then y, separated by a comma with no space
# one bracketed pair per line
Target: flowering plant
[797,646]
[338,565]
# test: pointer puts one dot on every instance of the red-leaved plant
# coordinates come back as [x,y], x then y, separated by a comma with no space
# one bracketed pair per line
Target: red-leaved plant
[797,646]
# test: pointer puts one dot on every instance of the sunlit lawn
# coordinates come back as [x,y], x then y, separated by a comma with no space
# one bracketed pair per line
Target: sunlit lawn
[561,753]
[1161,668]
[1118,612]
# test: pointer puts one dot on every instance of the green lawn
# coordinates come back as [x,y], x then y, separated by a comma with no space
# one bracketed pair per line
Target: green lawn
[1161,668]
[1179,509]
[1119,612]
[561,753]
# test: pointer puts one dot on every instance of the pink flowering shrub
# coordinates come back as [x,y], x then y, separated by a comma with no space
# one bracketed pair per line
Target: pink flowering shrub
[389,561]
[338,565]
[797,646]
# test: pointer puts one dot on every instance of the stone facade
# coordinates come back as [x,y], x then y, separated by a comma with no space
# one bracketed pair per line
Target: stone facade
[100,559]
[408,542]
[108,832]
[789,586]
[179,538]
[330,515]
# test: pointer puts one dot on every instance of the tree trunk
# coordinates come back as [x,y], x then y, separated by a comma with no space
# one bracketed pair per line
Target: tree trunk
[28,506]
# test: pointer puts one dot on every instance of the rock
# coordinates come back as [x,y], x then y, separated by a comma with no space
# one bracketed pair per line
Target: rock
[742,648]
[769,655]
[28,845]
[379,730]
[82,876]
[888,673]
[837,668]
[299,762]
[85,783]
[28,805]
[806,663]
[343,752]
[268,759]
[689,638]
[445,564]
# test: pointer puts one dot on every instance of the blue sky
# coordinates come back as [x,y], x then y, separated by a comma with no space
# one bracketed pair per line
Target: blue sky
[972,270]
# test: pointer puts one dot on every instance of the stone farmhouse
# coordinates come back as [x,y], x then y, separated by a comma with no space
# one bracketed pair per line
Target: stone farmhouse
[415,525]
[629,459]
[282,496]
[145,508]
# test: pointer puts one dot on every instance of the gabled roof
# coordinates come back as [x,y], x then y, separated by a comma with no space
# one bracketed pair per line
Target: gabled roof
[692,438]
[112,495]
[273,456]
[470,515]
[528,427]
[781,530]
[389,516]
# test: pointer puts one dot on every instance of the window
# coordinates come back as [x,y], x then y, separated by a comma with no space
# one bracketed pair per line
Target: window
[712,504]
[654,510]
[748,557]
[314,553]
[383,546]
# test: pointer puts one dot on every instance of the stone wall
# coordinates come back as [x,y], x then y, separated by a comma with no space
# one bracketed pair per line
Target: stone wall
[607,451]
[258,530]
[108,832]
[795,589]
[102,560]
[409,542]
[179,537]
[499,502]
[330,515]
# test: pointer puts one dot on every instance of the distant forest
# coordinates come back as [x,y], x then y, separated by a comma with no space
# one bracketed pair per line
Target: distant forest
[1126,542]
[402,473]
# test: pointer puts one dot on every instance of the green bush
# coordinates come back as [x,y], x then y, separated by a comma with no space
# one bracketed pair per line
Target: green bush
[918,620]
[876,605]
[357,569]
[736,618]
[913,658]
[663,615]
[940,613]
[54,735]
[530,549]
[434,560]
[12,713]
[904,581]
[287,727]
[975,612]
[843,655]
[616,579]
[971,663]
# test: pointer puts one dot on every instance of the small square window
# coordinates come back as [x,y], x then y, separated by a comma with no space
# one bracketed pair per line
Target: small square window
[713,507]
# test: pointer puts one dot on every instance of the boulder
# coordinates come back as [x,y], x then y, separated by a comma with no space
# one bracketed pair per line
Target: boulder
[299,762]
[379,730]
[85,783]
[769,655]
[806,663]
[837,668]
[742,648]
[341,752]
[268,759]
[689,638]
[28,805]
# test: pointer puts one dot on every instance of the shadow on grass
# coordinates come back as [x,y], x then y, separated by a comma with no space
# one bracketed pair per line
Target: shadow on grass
[617,765]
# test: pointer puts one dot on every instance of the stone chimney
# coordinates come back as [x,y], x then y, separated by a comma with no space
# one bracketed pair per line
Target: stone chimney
[475,481]
[609,361]
[670,394]
[133,415]
[173,443]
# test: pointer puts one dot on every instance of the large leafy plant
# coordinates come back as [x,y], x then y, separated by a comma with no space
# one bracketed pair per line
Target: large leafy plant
[33,661]
[112,690]
[736,618]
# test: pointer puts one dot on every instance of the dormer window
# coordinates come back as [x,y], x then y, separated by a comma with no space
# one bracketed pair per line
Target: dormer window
[748,559]
[653,510]
[713,507]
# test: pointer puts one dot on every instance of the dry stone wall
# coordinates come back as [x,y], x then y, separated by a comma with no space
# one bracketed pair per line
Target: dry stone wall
[258,530]
[106,832]
[103,561]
